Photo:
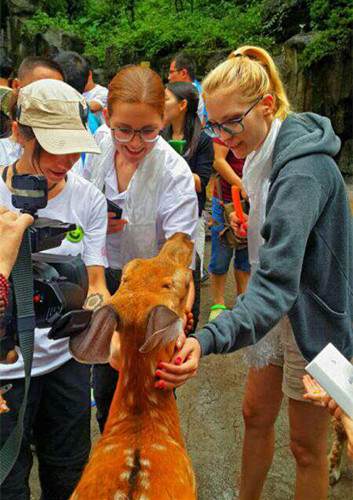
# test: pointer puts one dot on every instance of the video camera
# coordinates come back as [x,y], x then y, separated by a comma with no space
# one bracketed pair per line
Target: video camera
[60,283]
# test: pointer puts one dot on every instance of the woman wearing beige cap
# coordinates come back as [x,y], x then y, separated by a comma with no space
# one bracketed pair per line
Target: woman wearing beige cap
[50,123]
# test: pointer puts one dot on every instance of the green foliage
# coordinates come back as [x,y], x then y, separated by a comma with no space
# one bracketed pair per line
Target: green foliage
[333,21]
[125,31]
[41,21]
[159,29]
[62,8]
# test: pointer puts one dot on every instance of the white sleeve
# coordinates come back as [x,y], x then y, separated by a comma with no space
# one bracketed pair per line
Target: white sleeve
[179,207]
[96,230]
[101,96]
[201,109]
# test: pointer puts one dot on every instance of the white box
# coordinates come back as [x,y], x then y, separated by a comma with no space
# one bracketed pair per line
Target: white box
[335,374]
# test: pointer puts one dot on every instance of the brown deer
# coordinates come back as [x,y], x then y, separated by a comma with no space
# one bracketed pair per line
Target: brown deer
[141,454]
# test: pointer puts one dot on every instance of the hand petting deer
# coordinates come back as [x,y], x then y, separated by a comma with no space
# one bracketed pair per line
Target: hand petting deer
[141,455]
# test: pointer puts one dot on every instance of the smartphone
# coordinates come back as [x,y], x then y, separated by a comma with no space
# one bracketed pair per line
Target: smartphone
[113,207]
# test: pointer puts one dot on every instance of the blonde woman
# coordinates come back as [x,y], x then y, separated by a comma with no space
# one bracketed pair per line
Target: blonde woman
[301,253]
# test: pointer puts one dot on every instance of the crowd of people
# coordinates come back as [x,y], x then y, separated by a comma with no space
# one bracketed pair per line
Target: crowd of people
[293,263]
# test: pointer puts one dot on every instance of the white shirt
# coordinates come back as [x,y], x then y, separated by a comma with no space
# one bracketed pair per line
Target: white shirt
[101,133]
[97,94]
[177,207]
[200,107]
[79,202]
[10,151]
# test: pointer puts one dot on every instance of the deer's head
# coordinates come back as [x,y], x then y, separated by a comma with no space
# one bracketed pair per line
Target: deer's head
[149,304]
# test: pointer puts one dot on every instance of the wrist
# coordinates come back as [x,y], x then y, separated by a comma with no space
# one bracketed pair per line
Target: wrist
[4,290]
[196,344]
[5,271]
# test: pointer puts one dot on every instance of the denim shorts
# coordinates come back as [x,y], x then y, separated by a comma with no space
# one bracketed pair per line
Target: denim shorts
[221,255]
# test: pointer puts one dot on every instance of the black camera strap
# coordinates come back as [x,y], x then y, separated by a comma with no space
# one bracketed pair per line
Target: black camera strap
[22,281]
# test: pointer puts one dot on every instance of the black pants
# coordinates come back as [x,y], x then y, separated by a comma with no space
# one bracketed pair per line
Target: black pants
[58,419]
[105,378]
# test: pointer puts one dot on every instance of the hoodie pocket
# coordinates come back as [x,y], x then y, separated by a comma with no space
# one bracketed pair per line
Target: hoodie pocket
[325,307]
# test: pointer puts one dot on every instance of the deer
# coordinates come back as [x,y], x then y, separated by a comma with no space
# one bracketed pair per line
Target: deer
[141,454]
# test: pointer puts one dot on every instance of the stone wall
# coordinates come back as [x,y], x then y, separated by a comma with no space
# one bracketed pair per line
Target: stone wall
[326,88]
[15,45]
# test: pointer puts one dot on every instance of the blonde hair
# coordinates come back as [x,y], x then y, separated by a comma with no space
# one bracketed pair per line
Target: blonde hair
[252,71]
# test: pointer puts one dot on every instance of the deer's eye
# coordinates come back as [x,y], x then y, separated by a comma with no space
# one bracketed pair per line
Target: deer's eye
[167,285]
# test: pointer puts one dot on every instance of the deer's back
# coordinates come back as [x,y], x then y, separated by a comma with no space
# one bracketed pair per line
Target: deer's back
[151,466]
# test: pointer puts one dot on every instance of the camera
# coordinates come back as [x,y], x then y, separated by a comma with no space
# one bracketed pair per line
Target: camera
[60,283]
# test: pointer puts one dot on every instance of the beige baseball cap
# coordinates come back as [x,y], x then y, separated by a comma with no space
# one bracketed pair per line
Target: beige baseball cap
[58,116]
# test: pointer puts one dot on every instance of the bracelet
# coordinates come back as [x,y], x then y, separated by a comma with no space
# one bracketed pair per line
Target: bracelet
[4,290]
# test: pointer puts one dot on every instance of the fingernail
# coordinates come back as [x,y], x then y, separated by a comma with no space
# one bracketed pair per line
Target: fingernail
[161,384]
[158,373]
[178,360]
[159,365]
[157,386]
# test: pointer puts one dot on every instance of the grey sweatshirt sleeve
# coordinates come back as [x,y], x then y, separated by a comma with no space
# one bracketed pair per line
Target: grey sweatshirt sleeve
[294,204]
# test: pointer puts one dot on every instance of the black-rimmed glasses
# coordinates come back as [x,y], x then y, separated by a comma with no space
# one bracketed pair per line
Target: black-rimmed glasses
[232,127]
[127,134]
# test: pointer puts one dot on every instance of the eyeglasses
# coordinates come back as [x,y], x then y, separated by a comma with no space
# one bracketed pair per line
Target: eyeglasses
[127,134]
[232,127]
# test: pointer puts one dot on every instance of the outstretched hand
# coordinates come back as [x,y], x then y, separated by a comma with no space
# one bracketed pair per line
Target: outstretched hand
[315,393]
[182,367]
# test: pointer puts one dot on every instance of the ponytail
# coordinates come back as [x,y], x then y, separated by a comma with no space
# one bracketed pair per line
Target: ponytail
[252,71]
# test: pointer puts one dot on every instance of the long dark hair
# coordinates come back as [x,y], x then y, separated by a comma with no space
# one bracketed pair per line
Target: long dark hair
[192,124]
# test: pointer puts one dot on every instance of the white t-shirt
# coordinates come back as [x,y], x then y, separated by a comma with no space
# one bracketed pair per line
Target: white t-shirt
[177,207]
[10,151]
[83,204]
[97,94]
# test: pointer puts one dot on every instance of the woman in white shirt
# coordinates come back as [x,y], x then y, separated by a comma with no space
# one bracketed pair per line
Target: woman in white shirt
[50,124]
[147,179]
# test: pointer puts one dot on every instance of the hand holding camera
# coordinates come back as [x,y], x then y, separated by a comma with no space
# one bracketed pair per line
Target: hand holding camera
[12,227]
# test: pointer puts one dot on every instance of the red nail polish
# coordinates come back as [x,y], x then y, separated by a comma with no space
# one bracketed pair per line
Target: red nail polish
[161,384]
[158,373]
[159,365]
[178,360]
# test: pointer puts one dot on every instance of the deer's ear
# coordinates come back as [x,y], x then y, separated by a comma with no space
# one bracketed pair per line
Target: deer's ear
[164,326]
[92,346]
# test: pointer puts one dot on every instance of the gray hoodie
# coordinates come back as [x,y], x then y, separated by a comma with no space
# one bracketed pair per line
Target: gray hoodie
[306,262]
